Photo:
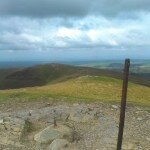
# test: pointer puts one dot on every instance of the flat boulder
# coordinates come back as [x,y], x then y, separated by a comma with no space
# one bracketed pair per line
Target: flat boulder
[1,121]
[51,133]
[58,144]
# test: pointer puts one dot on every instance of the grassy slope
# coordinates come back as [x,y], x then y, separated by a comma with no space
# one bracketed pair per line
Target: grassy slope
[6,72]
[36,76]
[87,88]
[51,73]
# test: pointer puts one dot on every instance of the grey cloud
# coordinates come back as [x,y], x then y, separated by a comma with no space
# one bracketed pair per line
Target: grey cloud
[119,7]
[44,8]
[73,8]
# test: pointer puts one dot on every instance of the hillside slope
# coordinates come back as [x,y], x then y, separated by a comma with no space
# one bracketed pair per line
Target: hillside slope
[85,88]
[44,74]
[51,73]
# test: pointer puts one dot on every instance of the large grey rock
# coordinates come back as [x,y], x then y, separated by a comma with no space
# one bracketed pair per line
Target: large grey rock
[11,130]
[50,133]
[1,121]
[58,144]
[1,124]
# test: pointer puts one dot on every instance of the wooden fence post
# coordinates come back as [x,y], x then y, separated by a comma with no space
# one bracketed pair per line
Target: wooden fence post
[123,103]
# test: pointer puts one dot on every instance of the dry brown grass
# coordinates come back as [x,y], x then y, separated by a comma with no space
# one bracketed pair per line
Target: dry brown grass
[87,88]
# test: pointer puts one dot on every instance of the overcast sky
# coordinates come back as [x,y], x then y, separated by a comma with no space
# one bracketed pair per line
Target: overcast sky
[74,29]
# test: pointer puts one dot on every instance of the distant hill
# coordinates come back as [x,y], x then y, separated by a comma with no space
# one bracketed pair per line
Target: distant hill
[51,73]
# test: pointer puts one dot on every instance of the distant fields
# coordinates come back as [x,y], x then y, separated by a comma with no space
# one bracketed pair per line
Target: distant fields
[137,66]
[83,89]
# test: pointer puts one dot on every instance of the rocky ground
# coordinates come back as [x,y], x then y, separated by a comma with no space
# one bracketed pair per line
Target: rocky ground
[56,126]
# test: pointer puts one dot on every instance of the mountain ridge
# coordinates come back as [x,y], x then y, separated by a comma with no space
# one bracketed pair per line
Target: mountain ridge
[51,73]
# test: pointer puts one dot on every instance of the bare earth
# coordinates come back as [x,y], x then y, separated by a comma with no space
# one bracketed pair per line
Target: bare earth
[94,126]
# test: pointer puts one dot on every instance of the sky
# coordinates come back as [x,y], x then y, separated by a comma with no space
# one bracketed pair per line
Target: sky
[65,30]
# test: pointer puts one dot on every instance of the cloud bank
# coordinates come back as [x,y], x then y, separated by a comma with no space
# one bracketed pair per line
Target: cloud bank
[75,25]
[77,8]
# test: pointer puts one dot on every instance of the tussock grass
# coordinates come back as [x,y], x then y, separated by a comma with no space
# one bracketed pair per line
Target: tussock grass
[86,89]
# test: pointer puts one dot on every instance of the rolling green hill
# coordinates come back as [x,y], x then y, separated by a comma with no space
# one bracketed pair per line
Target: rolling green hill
[83,89]
[52,73]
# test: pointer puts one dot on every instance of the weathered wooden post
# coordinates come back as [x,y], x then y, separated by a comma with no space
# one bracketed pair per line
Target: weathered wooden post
[123,103]
[55,123]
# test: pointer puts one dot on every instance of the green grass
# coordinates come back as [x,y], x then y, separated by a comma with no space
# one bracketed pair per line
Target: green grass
[85,89]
